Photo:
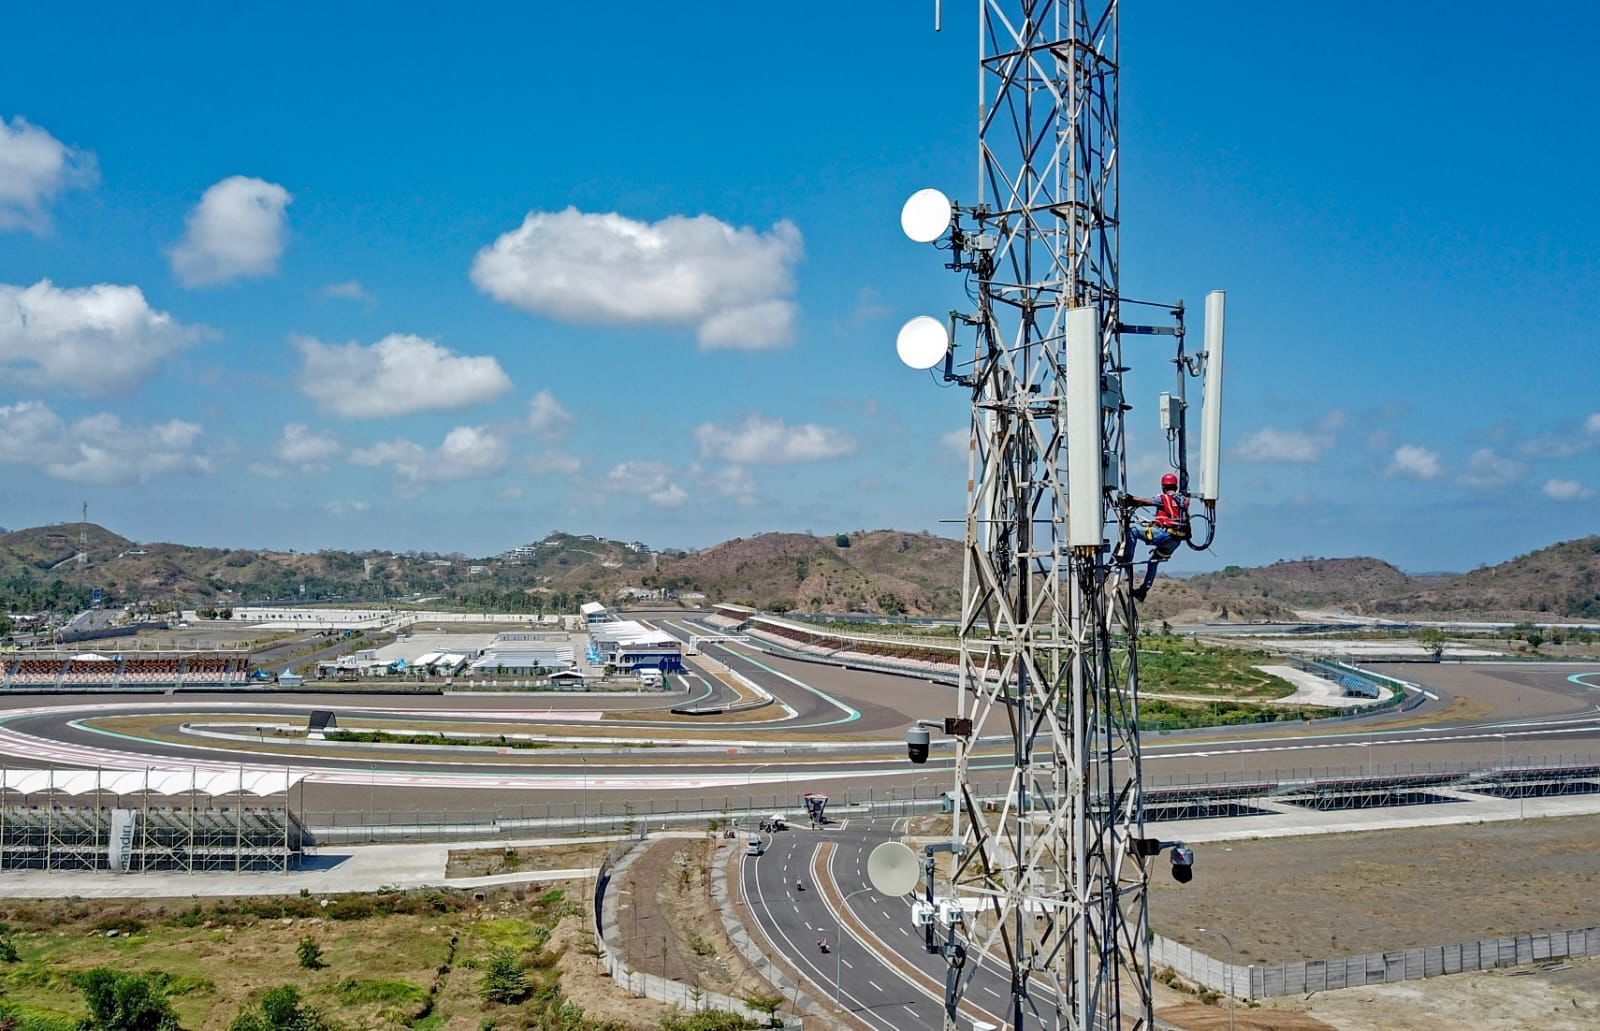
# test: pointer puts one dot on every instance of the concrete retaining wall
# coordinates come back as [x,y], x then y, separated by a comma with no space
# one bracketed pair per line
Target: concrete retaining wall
[608,941]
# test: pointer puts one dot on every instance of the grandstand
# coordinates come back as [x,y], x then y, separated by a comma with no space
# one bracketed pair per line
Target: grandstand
[136,820]
[86,671]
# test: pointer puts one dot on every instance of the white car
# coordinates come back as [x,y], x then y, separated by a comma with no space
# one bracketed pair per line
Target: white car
[755,847]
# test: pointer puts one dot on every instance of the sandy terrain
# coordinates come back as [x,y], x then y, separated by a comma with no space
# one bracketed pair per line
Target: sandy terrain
[1345,894]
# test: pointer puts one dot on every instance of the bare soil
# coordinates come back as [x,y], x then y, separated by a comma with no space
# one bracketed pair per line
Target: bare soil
[1322,896]
[484,862]
[670,924]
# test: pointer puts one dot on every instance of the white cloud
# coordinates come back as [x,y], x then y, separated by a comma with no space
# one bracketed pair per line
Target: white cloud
[1415,462]
[760,441]
[100,339]
[553,461]
[1274,445]
[752,328]
[957,443]
[34,167]
[1591,425]
[657,481]
[99,449]
[344,508]
[349,290]
[1566,490]
[467,453]
[547,419]
[735,483]
[731,283]
[301,446]
[1487,469]
[510,493]
[399,375]
[236,231]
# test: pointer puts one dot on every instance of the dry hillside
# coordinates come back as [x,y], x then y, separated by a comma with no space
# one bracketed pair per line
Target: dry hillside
[879,571]
[1562,580]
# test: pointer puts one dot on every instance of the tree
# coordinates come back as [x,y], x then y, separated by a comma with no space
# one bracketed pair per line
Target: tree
[1433,640]
[503,979]
[280,1009]
[225,614]
[765,1003]
[309,953]
[125,1002]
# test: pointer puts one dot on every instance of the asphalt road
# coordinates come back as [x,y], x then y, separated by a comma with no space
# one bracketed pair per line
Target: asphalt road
[844,738]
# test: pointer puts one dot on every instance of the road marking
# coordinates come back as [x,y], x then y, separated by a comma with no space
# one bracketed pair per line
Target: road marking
[875,986]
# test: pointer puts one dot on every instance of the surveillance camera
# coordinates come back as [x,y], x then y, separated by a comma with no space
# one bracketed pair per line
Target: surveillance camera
[1182,864]
[917,745]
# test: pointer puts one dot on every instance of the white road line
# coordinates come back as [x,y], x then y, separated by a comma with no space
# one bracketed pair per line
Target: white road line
[875,985]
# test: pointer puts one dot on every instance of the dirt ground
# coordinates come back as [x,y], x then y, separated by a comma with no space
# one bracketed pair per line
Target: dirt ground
[482,862]
[1344,894]
[670,925]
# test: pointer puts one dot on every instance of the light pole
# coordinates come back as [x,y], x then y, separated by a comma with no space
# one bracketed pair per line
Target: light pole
[838,943]
[1225,938]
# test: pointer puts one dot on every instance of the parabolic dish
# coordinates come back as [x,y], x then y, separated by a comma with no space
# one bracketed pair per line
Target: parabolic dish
[922,342]
[893,869]
[926,215]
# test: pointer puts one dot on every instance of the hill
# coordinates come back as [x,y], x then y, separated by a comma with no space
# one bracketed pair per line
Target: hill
[878,571]
[39,570]
[1562,580]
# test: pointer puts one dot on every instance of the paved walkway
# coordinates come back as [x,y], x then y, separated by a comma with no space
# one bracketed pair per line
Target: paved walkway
[329,871]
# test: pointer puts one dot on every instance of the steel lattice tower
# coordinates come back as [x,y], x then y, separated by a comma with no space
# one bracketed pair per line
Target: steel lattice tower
[1048,633]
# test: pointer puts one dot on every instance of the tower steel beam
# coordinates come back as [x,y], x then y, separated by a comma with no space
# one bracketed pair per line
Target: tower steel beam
[1048,632]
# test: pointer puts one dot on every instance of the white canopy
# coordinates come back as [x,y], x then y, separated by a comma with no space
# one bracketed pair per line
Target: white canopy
[158,781]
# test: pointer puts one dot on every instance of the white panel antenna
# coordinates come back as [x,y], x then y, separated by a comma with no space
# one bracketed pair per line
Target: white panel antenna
[1211,412]
[1085,471]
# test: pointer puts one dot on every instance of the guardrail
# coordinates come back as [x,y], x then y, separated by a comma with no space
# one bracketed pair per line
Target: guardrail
[873,801]
[1405,696]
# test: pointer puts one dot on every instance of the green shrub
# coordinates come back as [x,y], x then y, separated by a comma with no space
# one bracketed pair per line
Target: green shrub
[309,953]
[125,1002]
[503,979]
[708,1020]
[280,1009]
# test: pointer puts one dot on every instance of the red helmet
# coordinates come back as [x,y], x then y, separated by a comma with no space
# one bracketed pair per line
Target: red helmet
[1169,480]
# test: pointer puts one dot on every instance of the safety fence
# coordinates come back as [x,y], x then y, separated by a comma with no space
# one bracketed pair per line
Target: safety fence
[1188,797]
[847,654]
[1265,980]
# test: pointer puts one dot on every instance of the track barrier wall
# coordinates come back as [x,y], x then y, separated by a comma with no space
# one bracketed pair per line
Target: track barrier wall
[609,945]
[1556,773]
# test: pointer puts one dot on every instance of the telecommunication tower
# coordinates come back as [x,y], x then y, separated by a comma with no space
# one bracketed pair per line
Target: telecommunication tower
[1055,860]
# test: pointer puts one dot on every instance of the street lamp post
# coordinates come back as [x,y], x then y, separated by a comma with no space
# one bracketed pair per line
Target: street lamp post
[1231,965]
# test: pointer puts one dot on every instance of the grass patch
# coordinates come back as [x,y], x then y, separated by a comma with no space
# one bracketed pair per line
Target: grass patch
[382,737]
[388,959]
[356,992]
[1177,665]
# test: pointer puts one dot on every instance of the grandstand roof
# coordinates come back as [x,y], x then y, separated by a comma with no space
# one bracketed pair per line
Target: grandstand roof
[158,781]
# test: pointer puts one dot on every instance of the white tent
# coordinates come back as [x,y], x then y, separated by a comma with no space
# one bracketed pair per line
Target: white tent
[157,781]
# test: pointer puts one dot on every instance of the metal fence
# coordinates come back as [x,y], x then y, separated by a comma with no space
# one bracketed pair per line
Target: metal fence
[1192,796]
[1264,980]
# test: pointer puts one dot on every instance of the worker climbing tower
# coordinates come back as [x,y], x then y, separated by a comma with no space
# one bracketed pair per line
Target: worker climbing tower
[1053,862]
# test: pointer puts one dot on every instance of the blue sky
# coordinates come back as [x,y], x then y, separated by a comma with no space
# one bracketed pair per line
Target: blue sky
[308,278]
